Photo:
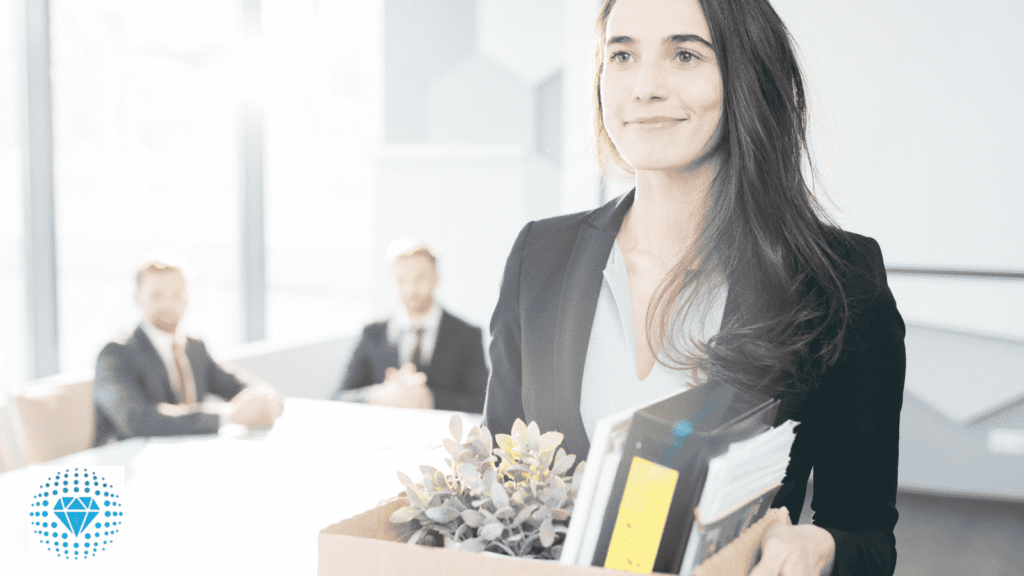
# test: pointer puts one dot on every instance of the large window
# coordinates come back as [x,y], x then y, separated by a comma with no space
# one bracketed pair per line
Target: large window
[320,70]
[13,340]
[146,155]
[148,103]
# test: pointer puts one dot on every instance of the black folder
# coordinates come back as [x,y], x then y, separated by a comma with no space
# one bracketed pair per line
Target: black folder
[682,433]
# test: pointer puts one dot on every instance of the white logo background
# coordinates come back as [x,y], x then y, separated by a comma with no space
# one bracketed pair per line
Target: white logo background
[76,512]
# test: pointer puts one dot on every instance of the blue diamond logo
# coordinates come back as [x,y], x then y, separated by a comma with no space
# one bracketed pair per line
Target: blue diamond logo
[76,512]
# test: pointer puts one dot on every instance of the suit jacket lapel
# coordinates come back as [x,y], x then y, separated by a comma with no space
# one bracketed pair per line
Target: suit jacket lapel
[577,301]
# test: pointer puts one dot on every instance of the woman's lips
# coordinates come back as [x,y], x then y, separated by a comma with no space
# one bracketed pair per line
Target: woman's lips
[654,122]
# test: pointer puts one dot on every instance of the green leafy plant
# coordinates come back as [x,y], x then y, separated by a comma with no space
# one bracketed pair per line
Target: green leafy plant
[514,499]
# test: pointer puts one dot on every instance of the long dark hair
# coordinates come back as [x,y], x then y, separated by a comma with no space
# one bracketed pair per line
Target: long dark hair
[763,229]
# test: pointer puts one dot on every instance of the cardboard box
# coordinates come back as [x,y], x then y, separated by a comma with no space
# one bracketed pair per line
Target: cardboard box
[368,544]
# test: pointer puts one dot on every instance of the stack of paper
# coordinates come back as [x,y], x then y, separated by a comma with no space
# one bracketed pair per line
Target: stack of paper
[746,470]
[646,470]
[740,486]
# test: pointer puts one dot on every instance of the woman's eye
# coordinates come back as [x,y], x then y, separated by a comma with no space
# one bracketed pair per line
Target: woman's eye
[620,57]
[685,56]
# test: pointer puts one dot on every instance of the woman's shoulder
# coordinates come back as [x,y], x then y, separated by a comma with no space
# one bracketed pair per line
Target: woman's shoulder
[558,230]
[860,261]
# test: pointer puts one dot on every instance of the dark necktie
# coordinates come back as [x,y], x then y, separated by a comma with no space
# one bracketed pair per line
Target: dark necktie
[417,351]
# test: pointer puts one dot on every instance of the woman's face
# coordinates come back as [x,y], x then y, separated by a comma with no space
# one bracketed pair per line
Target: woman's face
[661,90]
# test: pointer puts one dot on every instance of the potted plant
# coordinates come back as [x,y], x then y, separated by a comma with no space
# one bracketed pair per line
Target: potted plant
[514,499]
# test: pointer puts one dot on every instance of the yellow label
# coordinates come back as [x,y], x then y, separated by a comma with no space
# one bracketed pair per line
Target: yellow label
[642,515]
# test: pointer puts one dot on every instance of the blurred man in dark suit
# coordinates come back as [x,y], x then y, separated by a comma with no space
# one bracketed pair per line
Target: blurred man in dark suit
[157,381]
[423,356]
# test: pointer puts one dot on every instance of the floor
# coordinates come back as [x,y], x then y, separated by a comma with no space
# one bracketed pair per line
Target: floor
[948,536]
[941,535]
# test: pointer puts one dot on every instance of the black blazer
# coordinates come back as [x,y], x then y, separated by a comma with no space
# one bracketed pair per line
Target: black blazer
[850,421]
[131,380]
[457,374]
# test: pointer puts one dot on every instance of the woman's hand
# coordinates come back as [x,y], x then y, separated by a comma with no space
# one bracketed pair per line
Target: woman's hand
[788,550]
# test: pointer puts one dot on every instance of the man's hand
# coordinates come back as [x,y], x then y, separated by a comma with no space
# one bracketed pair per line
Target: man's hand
[404,388]
[255,406]
[788,550]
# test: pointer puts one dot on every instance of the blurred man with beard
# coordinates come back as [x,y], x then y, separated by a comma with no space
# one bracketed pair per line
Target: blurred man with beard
[423,356]
[158,381]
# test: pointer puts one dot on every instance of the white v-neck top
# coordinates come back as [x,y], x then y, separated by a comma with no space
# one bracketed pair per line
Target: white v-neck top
[610,383]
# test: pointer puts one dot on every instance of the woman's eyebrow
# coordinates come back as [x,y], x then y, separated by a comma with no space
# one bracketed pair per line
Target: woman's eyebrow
[673,39]
[681,38]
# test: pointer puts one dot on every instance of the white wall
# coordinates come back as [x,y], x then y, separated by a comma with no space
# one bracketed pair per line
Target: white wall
[917,125]
[469,202]
[468,170]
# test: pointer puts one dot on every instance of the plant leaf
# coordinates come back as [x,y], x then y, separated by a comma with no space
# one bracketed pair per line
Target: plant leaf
[547,533]
[563,464]
[473,518]
[505,512]
[416,498]
[455,426]
[506,443]
[533,437]
[452,447]
[520,440]
[498,495]
[550,440]
[442,514]
[560,514]
[455,504]
[473,545]
[519,427]
[523,515]
[519,497]
[490,476]
[556,495]
[404,479]
[405,514]
[491,531]
[486,436]
[480,448]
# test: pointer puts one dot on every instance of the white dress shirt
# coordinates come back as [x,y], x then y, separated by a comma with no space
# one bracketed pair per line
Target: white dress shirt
[402,333]
[164,344]
[610,382]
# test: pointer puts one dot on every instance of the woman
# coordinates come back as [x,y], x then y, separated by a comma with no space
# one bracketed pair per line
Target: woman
[719,264]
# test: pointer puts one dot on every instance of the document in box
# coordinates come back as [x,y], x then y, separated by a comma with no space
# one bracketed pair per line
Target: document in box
[683,433]
[740,486]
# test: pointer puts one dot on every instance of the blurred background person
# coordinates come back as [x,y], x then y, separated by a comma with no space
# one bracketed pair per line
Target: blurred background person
[158,381]
[423,356]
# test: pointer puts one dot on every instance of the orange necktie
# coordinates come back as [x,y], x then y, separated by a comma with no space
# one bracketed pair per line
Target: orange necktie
[185,384]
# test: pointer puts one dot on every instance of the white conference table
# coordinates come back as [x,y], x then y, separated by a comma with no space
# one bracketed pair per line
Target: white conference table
[252,505]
